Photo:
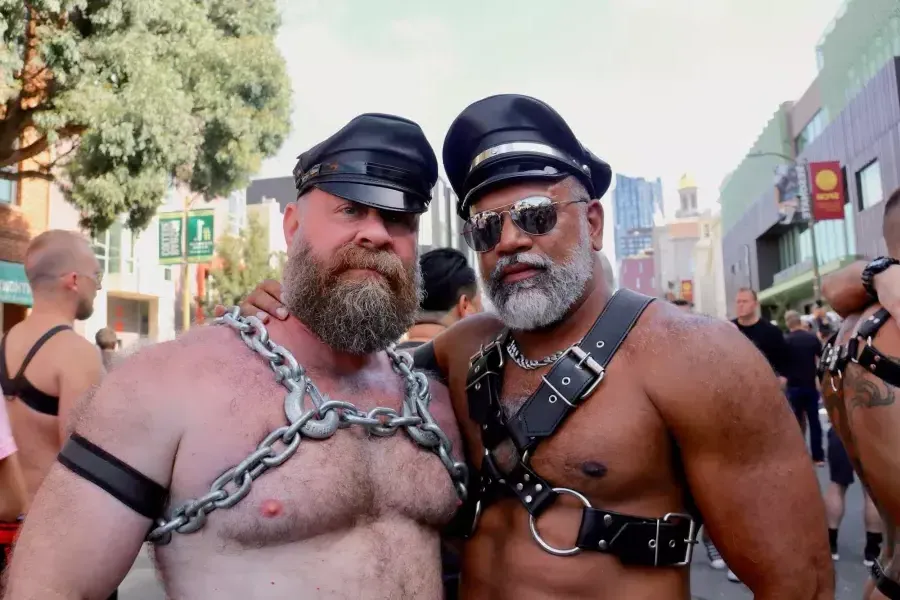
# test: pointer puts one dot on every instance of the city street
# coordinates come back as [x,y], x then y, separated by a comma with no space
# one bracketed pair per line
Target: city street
[706,583]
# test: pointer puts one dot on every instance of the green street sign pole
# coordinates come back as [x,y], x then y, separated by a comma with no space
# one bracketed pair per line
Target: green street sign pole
[184,238]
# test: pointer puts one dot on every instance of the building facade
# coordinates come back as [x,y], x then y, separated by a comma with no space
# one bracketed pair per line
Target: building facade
[709,276]
[860,128]
[636,203]
[638,273]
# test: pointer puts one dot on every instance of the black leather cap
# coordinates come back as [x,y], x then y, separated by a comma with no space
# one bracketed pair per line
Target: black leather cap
[378,160]
[509,138]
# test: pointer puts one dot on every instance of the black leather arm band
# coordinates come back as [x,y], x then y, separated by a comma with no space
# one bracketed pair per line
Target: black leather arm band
[884,584]
[424,359]
[130,487]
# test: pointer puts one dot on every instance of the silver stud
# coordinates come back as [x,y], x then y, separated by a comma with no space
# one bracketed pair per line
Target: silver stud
[552,398]
[671,543]
[519,487]
[477,368]
[652,543]
[602,545]
[607,520]
[566,381]
[876,320]
[538,487]
[484,427]
[527,499]
[477,386]
[527,477]
[502,481]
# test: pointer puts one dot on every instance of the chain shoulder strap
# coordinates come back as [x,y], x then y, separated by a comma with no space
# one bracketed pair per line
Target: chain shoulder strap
[319,421]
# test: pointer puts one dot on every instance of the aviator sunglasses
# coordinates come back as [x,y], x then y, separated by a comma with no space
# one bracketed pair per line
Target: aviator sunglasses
[535,215]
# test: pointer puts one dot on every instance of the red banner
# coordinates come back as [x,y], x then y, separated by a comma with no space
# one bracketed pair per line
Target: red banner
[826,190]
[687,290]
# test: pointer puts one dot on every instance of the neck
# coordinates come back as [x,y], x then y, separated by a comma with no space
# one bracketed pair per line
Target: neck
[795,328]
[748,321]
[52,309]
[297,338]
[577,322]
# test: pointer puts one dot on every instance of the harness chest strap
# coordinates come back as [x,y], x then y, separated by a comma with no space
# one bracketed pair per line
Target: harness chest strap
[571,380]
[884,584]
[836,357]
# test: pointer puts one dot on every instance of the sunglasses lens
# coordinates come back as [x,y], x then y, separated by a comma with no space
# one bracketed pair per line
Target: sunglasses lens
[535,216]
[482,231]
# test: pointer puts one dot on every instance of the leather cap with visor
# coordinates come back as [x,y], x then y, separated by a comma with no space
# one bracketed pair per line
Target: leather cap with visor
[510,138]
[378,160]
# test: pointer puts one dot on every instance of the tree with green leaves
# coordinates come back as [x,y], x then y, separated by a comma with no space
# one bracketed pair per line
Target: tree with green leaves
[242,261]
[118,99]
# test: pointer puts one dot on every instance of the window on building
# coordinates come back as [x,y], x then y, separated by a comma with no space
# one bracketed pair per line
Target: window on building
[7,191]
[637,283]
[167,273]
[128,315]
[811,131]
[868,184]
[114,249]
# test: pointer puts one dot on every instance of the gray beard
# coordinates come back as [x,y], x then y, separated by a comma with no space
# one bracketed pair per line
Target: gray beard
[355,317]
[547,297]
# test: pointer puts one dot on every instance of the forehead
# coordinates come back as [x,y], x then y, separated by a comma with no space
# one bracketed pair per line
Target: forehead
[744,296]
[506,195]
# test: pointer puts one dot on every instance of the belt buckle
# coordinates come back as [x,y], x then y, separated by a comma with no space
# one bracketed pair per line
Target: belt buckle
[588,364]
[689,541]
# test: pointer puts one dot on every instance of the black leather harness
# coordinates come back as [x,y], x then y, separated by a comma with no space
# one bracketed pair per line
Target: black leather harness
[835,359]
[666,541]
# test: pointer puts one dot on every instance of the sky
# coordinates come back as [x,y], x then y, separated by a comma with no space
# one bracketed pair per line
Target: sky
[654,87]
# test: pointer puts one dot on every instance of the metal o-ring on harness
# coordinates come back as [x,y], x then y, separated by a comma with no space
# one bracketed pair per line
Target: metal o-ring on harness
[532,524]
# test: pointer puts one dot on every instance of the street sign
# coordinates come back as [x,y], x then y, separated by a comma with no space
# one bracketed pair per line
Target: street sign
[200,243]
[828,190]
[170,248]
[200,237]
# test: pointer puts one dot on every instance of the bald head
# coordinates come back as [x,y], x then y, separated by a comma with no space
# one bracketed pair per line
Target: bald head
[792,320]
[55,253]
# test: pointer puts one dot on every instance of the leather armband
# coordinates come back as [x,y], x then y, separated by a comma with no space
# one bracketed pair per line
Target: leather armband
[124,483]
[424,359]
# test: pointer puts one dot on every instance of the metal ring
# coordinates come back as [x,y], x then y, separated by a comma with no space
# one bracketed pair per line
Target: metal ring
[537,537]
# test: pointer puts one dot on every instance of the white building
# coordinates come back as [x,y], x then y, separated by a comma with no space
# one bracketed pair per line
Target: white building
[709,274]
[138,295]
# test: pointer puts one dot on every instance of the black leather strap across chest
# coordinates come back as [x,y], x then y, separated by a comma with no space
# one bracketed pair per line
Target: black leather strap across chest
[666,541]
[836,357]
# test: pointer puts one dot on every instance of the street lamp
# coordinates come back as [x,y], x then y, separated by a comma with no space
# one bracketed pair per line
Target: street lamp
[803,177]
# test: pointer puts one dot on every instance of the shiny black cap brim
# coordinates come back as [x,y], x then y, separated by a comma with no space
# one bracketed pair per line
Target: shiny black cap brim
[376,196]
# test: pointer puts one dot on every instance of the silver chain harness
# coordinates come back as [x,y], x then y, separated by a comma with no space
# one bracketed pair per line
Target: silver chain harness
[319,422]
[526,363]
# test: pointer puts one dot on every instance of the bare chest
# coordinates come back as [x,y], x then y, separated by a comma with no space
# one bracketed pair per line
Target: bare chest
[326,486]
[613,447]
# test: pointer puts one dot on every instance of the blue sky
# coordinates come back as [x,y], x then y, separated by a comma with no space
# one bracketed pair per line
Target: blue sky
[655,87]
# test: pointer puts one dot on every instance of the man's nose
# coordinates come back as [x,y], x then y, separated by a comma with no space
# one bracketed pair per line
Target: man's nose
[512,239]
[373,233]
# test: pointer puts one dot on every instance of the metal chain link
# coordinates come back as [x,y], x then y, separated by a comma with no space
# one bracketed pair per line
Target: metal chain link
[320,421]
[529,364]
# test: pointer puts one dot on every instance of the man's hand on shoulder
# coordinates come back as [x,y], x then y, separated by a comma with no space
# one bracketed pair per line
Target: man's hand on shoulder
[743,455]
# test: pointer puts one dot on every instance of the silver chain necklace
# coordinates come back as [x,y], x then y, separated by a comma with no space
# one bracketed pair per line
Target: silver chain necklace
[319,422]
[526,363]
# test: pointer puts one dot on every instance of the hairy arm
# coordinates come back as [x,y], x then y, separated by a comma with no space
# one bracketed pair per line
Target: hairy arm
[81,370]
[78,541]
[843,289]
[745,461]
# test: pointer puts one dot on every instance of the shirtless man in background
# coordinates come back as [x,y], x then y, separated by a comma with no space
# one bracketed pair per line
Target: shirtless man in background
[687,419]
[353,514]
[862,398]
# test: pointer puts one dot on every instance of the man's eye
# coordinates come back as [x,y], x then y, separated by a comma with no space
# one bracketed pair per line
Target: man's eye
[350,210]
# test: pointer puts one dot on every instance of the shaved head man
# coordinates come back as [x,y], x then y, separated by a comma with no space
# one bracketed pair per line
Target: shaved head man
[45,367]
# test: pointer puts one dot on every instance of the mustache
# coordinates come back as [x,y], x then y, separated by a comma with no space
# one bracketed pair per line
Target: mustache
[532,260]
[354,257]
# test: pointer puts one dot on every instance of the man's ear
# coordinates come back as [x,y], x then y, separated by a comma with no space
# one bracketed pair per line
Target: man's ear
[464,306]
[291,222]
[595,219]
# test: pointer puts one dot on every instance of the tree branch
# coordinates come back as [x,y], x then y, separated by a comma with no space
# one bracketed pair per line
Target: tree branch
[20,175]
[40,145]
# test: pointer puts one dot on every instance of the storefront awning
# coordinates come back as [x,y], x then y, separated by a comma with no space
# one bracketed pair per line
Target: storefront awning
[14,288]
[800,286]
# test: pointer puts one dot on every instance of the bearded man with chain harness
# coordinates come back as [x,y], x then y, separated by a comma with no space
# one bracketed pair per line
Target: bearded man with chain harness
[602,428]
[296,460]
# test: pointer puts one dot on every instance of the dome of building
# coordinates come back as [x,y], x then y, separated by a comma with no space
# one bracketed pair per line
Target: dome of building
[687,181]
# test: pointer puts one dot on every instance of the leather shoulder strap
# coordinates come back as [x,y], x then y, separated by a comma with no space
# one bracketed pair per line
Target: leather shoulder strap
[575,376]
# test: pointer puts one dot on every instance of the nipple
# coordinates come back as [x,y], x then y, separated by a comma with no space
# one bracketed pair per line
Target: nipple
[271,508]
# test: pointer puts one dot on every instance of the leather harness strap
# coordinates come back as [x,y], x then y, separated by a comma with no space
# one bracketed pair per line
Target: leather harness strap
[571,380]
[835,358]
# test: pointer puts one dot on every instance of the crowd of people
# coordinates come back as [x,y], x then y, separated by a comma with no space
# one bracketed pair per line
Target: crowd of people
[295,447]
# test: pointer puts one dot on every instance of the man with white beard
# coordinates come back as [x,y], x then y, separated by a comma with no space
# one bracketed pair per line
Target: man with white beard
[678,416]
[198,442]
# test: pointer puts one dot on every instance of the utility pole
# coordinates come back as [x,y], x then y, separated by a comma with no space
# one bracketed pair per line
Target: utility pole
[185,269]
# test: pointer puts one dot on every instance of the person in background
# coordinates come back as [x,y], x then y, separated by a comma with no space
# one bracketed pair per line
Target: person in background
[450,293]
[107,341]
[765,336]
[13,498]
[804,349]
